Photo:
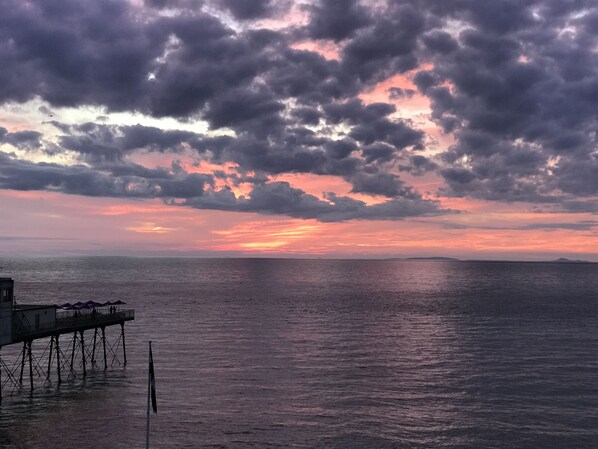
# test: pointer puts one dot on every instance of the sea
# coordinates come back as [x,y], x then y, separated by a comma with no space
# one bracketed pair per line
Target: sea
[285,353]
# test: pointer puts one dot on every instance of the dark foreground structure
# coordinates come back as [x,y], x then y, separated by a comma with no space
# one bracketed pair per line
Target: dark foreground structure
[58,336]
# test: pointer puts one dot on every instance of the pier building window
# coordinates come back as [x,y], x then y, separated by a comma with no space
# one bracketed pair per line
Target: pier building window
[6,294]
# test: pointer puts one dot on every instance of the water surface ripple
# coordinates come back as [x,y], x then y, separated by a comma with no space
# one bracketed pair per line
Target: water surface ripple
[258,353]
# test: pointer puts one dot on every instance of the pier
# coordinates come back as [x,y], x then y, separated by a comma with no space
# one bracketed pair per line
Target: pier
[59,342]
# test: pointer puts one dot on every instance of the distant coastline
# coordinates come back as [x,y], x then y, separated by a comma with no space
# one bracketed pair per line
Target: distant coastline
[216,256]
[562,260]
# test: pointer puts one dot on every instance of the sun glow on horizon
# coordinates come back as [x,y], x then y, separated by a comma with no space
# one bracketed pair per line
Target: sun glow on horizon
[150,228]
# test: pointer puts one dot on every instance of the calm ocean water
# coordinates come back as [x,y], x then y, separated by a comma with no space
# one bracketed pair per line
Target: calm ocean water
[262,353]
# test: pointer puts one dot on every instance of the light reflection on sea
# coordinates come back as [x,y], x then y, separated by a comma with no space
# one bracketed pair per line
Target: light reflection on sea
[325,354]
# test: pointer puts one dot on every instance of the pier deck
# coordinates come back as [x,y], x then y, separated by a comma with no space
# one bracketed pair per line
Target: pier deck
[67,324]
[35,324]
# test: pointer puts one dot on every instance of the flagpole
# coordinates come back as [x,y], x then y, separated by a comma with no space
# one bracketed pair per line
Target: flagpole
[149,381]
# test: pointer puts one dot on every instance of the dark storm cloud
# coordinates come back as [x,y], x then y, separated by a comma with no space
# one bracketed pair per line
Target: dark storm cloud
[137,182]
[97,142]
[196,190]
[296,150]
[515,84]
[370,124]
[579,176]
[23,140]
[292,154]
[75,52]
[309,77]
[118,177]
[575,206]
[584,225]
[387,47]
[172,65]
[188,186]
[440,41]
[499,17]
[337,19]
[307,115]
[245,10]
[21,175]
[254,9]
[418,165]
[246,109]
[355,112]
[384,184]
[340,149]
[523,103]
[204,60]
[397,134]
[378,152]
[280,198]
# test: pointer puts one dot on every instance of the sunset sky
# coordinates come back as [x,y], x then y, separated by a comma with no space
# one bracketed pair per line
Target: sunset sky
[331,128]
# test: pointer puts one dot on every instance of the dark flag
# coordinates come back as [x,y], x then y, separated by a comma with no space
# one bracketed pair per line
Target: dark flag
[152,380]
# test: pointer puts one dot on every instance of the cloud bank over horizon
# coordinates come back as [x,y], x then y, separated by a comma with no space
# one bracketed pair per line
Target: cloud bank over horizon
[259,91]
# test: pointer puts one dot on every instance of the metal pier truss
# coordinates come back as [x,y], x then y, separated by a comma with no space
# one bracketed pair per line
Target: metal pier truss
[51,360]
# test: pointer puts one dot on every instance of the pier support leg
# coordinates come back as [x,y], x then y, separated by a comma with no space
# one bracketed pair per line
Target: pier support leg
[83,355]
[104,345]
[93,351]
[0,380]
[73,352]
[30,366]
[58,361]
[122,330]
[22,363]
[50,357]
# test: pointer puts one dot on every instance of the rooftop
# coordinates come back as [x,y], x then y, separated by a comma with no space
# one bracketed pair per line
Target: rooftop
[34,306]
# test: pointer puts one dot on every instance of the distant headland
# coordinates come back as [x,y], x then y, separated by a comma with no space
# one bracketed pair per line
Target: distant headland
[565,260]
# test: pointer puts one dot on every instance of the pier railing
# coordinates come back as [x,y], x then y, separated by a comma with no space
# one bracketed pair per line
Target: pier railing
[70,321]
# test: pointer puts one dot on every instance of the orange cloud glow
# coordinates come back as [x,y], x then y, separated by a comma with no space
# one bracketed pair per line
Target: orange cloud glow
[317,185]
[150,228]
[406,238]
[64,223]
[266,236]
